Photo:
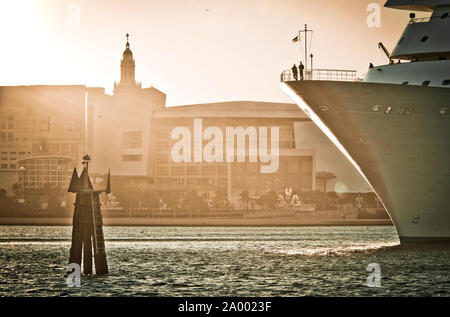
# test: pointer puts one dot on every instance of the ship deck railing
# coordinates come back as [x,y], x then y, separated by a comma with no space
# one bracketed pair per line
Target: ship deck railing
[321,74]
[428,19]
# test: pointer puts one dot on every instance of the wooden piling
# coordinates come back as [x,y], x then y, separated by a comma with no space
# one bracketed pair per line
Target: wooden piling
[87,230]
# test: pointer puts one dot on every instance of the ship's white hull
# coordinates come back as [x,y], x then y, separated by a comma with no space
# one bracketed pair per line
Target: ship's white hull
[404,154]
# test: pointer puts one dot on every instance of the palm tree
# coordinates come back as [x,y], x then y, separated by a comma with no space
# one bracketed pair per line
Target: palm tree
[272,200]
[171,200]
[268,200]
[244,199]
[191,200]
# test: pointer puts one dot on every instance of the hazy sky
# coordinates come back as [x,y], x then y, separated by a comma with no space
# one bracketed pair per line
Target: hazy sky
[195,51]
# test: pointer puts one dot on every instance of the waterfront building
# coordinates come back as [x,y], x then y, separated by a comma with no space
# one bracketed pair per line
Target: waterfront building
[40,121]
[130,131]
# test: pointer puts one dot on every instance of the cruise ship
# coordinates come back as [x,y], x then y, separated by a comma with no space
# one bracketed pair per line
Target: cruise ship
[394,126]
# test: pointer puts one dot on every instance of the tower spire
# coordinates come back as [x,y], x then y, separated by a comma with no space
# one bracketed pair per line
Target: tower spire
[127,69]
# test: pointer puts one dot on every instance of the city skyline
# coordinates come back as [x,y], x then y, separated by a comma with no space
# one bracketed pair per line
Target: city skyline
[224,154]
[194,51]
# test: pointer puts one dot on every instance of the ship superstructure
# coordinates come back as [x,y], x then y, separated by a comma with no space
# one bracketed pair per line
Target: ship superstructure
[394,126]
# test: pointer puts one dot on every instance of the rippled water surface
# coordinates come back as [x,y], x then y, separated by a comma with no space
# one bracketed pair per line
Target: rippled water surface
[224,261]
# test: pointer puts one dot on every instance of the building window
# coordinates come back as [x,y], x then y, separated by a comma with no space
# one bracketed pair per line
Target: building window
[208,170]
[65,149]
[287,144]
[10,136]
[193,181]
[162,171]
[4,165]
[10,126]
[132,140]
[3,125]
[131,158]
[177,170]
[163,180]
[222,170]
[53,148]
[162,159]
[178,182]
[162,146]
[193,171]
[239,169]
[285,132]
[222,183]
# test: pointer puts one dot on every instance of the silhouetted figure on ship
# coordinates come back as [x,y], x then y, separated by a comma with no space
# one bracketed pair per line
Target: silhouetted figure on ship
[301,68]
[294,72]
[87,230]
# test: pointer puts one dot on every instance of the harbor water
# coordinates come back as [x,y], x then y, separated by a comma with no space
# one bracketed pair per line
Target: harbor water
[225,261]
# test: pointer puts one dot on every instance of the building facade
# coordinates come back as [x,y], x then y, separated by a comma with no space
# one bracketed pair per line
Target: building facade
[50,170]
[41,121]
[119,125]
[46,128]
[295,166]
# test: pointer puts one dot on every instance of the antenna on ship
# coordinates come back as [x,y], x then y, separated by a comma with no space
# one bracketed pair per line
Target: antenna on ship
[306,44]
[298,38]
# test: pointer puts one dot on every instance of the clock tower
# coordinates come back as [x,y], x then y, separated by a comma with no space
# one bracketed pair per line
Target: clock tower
[127,71]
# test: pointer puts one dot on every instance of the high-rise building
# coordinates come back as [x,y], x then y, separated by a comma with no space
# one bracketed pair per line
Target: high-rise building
[40,121]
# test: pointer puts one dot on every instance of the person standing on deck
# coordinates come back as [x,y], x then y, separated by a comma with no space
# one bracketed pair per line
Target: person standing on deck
[294,72]
[301,67]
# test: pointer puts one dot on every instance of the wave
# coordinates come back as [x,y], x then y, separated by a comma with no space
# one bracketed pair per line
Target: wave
[336,250]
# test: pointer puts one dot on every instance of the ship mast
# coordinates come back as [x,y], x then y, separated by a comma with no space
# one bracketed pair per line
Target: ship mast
[306,44]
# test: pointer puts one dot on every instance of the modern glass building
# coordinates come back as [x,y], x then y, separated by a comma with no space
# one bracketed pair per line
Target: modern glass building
[50,170]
